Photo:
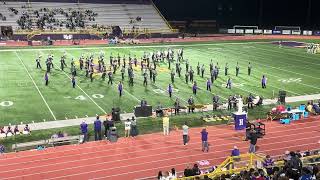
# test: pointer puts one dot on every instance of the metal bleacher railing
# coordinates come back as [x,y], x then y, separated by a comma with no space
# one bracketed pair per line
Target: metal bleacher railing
[234,165]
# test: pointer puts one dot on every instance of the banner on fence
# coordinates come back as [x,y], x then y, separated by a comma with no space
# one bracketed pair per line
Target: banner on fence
[267,31]
[296,32]
[231,31]
[307,33]
[239,31]
[317,33]
[286,32]
[248,31]
[258,31]
[276,32]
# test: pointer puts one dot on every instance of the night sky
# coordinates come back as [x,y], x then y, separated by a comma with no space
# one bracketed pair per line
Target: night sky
[265,13]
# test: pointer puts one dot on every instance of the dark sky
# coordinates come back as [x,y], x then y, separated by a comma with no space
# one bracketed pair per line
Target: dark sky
[244,12]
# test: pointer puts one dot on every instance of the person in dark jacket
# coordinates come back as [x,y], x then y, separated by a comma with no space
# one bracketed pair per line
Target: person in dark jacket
[253,141]
[97,129]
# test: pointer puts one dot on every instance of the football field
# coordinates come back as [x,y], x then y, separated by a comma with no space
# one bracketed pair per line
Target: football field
[25,98]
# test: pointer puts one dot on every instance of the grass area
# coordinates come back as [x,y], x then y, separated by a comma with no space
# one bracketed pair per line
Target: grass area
[24,97]
[145,125]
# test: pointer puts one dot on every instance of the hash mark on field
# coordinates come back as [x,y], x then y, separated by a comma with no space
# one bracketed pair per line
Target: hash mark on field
[80,88]
[34,83]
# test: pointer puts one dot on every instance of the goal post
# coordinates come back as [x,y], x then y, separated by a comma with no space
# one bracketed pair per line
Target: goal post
[294,30]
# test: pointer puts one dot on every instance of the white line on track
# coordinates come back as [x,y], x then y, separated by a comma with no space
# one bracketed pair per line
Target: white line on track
[34,83]
[191,132]
[80,89]
[126,166]
[221,145]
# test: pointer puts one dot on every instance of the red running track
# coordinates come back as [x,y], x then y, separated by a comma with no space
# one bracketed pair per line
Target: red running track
[145,155]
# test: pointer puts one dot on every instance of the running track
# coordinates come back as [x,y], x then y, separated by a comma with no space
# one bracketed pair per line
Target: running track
[145,155]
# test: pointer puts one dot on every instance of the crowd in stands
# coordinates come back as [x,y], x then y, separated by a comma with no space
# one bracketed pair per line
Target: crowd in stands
[293,168]
[15,131]
[46,18]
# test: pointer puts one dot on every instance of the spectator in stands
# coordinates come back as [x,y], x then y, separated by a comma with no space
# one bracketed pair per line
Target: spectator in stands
[97,129]
[185,135]
[268,164]
[293,166]
[26,130]
[165,124]
[160,177]
[84,131]
[257,176]
[172,174]
[306,174]
[188,171]
[204,139]
[196,170]
[134,128]
[16,130]
[127,128]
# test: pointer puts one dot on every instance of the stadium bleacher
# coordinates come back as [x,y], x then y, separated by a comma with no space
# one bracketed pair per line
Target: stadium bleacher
[125,15]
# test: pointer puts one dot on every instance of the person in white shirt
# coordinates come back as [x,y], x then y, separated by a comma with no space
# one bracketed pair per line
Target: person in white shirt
[127,128]
[165,124]
[185,130]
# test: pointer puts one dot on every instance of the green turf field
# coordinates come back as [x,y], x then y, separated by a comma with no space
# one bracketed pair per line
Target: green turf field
[25,98]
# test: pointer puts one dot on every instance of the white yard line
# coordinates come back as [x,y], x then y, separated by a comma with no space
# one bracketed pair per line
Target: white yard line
[80,88]
[34,83]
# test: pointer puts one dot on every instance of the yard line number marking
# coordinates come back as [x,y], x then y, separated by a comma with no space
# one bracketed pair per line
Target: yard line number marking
[34,83]
[6,103]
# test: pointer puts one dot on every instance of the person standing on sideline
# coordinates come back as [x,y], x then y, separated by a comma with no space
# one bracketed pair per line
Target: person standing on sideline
[264,82]
[204,139]
[165,124]
[253,141]
[170,90]
[127,128]
[73,81]
[185,135]
[120,88]
[46,78]
[97,129]
[84,131]
[134,128]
